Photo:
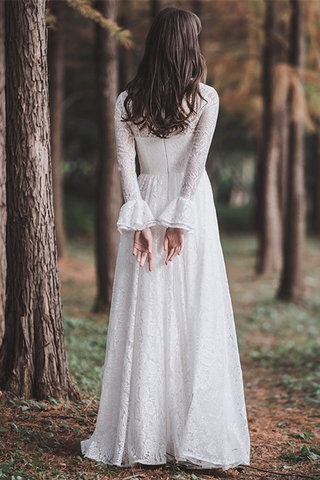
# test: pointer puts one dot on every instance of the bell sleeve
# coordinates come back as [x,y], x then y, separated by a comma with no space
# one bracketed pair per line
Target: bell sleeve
[135,213]
[180,212]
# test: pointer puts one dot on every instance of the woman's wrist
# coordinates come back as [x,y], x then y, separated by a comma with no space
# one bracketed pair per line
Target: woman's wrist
[175,229]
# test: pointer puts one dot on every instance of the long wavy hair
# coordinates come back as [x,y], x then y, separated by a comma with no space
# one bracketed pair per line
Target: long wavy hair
[169,72]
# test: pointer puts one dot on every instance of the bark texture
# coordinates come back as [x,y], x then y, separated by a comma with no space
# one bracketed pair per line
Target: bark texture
[316,188]
[270,226]
[292,282]
[283,129]
[198,8]
[156,6]
[33,361]
[3,206]
[56,75]
[108,181]
[127,57]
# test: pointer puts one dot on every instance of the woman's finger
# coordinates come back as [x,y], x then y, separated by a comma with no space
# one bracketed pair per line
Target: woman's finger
[174,254]
[165,242]
[150,259]
[143,258]
[170,253]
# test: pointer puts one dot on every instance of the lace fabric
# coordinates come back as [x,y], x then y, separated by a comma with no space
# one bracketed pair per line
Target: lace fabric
[172,385]
[179,211]
[202,138]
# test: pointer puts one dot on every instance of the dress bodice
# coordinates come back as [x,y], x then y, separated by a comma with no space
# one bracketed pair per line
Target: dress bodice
[185,152]
[163,155]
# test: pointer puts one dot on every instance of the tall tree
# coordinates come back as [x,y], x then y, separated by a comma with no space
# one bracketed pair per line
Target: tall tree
[3,208]
[270,226]
[33,359]
[125,55]
[316,185]
[107,175]
[156,6]
[56,74]
[291,286]
[198,9]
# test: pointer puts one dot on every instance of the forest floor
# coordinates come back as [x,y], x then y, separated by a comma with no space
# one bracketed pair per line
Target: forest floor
[280,350]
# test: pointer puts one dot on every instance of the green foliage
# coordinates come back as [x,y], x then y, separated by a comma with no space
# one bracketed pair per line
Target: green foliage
[235,219]
[311,454]
[86,342]
[78,216]
[84,7]
[307,436]
[295,351]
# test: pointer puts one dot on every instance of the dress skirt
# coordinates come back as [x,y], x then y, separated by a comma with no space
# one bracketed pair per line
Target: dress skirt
[172,385]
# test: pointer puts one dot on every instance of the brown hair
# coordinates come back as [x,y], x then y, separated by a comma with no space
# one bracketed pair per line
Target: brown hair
[170,70]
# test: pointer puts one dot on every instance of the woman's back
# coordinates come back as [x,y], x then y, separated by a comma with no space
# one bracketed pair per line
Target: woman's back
[162,155]
[177,162]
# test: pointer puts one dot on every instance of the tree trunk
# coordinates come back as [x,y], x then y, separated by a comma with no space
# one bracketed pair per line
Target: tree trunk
[283,164]
[126,56]
[198,8]
[3,208]
[316,189]
[56,74]
[282,122]
[270,234]
[291,283]
[156,6]
[108,181]
[33,360]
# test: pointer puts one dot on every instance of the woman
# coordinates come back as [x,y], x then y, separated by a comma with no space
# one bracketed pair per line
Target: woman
[172,385]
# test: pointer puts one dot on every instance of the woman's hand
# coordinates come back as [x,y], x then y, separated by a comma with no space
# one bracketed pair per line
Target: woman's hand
[173,242]
[143,246]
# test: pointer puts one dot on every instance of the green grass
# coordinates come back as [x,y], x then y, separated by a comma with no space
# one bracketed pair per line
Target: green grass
[282,336]
[235,219]
[78,216]
[85,342]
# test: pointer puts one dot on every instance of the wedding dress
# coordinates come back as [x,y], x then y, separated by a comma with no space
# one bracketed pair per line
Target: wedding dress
[172,385]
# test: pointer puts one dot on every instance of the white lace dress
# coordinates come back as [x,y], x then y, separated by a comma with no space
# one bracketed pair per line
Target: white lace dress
[172,383]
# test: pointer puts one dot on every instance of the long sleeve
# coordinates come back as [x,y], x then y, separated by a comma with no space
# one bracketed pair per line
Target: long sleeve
[135,213]
[180,212]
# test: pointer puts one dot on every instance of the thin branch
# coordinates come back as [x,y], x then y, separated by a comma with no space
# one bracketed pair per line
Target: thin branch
[86,10]
[314,477]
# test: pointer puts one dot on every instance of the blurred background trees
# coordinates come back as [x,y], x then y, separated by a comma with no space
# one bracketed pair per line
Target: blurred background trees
[264,161]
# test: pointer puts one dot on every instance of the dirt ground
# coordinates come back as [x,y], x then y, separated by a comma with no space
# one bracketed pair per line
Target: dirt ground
[274,422]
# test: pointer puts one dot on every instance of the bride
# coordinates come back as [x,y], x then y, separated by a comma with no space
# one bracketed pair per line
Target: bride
[172,385]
